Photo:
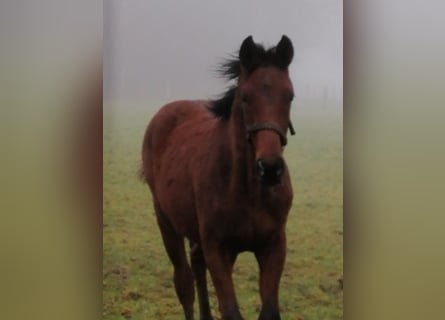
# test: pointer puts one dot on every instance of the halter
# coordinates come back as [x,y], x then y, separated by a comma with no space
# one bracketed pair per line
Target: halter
[270,126]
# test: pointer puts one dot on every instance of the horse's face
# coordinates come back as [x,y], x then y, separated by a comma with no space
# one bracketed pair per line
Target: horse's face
[266,93]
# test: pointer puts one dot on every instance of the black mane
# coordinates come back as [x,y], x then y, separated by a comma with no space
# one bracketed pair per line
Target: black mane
[230,69]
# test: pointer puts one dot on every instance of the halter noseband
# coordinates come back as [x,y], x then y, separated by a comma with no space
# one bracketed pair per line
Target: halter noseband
[270,126]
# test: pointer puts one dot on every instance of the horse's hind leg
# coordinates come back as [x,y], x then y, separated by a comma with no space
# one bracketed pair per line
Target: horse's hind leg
[199,270]
[183,276]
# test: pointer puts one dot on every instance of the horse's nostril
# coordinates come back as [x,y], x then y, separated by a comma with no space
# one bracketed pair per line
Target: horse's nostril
[261,170]
[279,167]
[270,172]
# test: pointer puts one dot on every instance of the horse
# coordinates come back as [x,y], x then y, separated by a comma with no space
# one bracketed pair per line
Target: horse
[217,176]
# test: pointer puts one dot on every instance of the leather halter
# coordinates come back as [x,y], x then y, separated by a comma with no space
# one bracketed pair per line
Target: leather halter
[270,126]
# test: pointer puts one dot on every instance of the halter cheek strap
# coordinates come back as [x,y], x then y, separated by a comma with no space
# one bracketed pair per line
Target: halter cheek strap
[270,126]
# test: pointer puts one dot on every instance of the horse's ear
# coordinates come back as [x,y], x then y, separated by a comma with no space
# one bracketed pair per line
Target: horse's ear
[284,51]
[248,53]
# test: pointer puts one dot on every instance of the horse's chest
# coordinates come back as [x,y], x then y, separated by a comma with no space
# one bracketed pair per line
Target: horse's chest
[263,224]
[253,228]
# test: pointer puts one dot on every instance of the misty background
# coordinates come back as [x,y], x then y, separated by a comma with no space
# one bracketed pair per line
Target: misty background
[158,51]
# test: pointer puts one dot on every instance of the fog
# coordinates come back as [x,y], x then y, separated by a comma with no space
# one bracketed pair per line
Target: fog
[158,51]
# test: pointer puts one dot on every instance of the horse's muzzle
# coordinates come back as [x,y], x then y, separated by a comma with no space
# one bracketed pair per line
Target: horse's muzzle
[270,173]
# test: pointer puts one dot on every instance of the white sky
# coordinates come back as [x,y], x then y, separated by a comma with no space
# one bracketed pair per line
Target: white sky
[155,51]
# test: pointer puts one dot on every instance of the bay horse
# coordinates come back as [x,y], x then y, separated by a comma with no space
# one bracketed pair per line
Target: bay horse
[218,178]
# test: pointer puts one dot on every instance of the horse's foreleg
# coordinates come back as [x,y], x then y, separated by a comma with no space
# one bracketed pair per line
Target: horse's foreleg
[271,262]
[199,270]
[220,265]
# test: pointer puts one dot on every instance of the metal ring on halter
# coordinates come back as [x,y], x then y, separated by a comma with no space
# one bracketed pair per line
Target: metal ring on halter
[267,126]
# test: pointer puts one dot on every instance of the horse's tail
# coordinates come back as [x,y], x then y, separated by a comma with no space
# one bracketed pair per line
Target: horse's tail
[141,173]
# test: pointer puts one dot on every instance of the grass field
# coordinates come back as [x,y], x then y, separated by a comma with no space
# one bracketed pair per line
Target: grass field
[137,276]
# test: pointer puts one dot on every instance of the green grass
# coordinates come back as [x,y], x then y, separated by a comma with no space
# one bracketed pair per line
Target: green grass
[137,276]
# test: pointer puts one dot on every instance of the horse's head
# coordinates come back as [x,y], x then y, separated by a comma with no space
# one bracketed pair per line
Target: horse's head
[265,92]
